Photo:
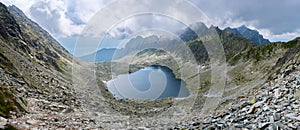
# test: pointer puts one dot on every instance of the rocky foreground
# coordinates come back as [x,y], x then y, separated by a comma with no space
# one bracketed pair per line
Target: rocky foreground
[275,105]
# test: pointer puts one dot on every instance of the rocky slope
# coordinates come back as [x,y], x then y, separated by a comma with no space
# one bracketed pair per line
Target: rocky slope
[273,105]
[35,81]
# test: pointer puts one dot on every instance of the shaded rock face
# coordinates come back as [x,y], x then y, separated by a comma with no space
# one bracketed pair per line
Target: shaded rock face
[251,35]
[188,35]
[13,22]
[291,52]
[8,24]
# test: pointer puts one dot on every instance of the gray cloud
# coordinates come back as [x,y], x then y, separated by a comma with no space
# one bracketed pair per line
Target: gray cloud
[146,21]
[275,19]
[277,16]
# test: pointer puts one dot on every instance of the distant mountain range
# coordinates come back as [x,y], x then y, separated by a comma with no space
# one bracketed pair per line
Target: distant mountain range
[242,31]
[234,40]
[102,55]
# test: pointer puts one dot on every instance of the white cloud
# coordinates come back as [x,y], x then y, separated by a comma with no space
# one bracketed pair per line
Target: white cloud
[24,5]
[67,27]
[228,20]
[85,9]
[56,15]
[280,37]
[65,19]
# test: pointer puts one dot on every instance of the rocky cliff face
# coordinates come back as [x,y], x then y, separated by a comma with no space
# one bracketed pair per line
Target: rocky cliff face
[251,35]
[233,43]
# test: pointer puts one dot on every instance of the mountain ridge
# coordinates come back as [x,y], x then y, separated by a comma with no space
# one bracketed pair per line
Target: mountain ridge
[251,35]
[232,43]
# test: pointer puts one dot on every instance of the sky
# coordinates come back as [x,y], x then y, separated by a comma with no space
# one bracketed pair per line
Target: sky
[65,20]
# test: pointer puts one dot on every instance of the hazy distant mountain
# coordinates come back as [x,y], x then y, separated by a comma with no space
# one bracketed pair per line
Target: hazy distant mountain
[134,44]
[102,55]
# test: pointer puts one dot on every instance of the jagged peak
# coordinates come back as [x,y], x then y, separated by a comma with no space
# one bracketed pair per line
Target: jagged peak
[250,34]
[16,9]
[2,5]
[243,26]
[8,24]
[233,30]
